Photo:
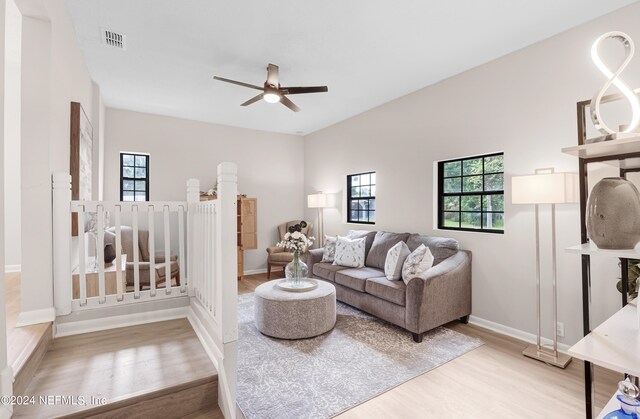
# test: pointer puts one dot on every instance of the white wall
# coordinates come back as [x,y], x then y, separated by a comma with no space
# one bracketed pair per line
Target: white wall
[12,137]
[270,165]
[523,104]
[6,374]
[53,75]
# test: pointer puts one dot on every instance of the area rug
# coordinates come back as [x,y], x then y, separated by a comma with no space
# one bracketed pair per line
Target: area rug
[320,377]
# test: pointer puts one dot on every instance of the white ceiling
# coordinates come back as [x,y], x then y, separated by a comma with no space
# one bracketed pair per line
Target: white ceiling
[367,51]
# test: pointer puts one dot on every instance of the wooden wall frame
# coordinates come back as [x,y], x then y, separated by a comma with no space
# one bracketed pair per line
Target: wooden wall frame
[81,159]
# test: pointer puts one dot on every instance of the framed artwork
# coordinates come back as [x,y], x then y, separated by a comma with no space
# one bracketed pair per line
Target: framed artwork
[81,159]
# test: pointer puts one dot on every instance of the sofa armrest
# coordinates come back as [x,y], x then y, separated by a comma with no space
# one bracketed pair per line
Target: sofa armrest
[160,258]
[440,295]
[312,257]
[275,249]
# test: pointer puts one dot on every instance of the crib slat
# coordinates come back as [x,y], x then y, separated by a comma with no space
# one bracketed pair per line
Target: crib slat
[152,251]
[119,283]
[102,292]
[167,250]
[82,281]
[136,252]
[181,259]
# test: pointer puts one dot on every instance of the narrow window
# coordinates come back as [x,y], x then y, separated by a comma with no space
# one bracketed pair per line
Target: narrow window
[361,198]
[134,177]
[471,194]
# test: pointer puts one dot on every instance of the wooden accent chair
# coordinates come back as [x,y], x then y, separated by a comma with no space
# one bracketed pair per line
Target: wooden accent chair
[278,256]
[144,266]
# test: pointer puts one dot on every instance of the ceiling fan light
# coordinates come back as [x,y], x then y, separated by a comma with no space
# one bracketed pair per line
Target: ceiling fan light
[271,97]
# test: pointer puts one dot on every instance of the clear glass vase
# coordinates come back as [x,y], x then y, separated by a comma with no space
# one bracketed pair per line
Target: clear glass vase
[296,270]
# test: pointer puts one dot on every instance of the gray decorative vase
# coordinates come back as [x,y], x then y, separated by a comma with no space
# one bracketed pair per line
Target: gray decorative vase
[613,214]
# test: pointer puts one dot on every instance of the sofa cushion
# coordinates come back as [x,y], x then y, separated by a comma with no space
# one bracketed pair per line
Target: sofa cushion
[441,247]
[327,270]
[357,278]
[395,261]
[350,252]
[392,291]
[418,262]
[382,242]
[368,238]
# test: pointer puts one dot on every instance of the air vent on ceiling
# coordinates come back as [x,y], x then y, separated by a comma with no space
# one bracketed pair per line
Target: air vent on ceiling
[114,39]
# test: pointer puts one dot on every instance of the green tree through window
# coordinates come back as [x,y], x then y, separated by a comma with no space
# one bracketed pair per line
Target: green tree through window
[471,193]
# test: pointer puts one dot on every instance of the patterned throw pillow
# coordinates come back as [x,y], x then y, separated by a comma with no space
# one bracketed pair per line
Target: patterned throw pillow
[350,252]
[395,261]
[329,251]
[416,263]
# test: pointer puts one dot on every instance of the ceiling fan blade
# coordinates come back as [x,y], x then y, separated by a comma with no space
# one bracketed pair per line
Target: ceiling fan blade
[273,75]
[289,104]
[301,90]
[253,100]
[239,83]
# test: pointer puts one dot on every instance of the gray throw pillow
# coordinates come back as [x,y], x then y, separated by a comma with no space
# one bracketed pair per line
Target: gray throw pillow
[382,242]
[441,247]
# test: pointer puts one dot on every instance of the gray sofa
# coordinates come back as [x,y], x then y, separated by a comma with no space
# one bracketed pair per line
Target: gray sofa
[440,295]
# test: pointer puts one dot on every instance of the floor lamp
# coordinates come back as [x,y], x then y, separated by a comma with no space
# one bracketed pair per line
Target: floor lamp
[546,187]
[319,200]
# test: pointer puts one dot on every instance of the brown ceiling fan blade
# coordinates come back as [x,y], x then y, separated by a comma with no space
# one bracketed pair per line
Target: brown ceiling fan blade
[253,100]
[301,90]
[239,83]
[289,104]
[273,75]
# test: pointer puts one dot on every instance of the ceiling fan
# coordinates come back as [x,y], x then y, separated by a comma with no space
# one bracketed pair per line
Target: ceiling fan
[272,92]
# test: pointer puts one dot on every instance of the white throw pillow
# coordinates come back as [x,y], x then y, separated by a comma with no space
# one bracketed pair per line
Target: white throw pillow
[350,252]
[395,261]
[329,250]
[416,263]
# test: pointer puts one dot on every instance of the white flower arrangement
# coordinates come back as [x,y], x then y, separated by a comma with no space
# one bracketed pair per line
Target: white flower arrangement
[294,240]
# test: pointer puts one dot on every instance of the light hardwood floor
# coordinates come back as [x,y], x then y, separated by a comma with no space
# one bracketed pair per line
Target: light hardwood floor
[492,381]
[21,341]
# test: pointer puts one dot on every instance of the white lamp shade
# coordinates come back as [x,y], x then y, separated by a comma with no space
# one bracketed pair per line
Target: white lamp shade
[318,200]
[547,188]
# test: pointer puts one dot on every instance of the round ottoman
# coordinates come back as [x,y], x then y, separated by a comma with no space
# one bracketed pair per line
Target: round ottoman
[295,315]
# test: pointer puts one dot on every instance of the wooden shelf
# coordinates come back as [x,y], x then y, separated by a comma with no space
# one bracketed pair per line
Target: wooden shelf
[615,344]
[612,404]
[611,148]
[591,249]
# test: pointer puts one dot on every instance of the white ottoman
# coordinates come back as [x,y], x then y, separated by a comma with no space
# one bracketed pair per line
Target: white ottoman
[295,315]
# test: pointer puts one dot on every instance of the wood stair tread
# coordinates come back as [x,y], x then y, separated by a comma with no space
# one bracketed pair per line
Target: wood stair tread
[128,367]
[26,345]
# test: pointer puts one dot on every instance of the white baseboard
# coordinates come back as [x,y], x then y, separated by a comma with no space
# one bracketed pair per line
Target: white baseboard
[44,315]
[12,268]
[203,328]
[255,271]
[6,389]
[514,333]
[115,322]
[202,324]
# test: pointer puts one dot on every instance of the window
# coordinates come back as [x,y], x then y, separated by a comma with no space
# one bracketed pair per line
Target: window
[361,198]
[471,194]
[134,177]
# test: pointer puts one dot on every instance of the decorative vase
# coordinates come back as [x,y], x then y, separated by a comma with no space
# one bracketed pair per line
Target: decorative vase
[613,214]
[296,270]
[109,253]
